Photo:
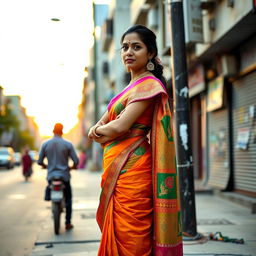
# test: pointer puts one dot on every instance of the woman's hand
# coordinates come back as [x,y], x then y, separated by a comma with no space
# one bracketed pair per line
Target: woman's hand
[101,139]
[92,133]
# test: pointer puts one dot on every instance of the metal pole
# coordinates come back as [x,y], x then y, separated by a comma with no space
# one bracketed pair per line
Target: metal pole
[95,75]
[182,122]
[95,147]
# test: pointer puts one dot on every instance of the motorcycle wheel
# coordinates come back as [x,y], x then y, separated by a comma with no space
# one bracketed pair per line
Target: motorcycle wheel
[56,217]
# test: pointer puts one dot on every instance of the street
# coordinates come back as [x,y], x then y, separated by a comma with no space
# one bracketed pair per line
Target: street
[22,210]
[26,217]
[27,226]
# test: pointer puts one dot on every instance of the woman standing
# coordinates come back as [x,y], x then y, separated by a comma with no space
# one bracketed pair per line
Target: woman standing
[139,211]
[26,165]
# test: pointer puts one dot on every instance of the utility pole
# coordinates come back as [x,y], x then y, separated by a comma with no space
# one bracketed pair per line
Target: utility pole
[182,122]
[95,59]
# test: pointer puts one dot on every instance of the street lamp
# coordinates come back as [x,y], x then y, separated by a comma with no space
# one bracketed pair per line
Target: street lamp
[55,19]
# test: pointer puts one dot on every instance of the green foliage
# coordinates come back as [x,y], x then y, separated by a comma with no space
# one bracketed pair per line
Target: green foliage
[23,139]
[7,120]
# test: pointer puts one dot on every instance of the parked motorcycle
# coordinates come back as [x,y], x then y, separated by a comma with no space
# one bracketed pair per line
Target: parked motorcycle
[58,202]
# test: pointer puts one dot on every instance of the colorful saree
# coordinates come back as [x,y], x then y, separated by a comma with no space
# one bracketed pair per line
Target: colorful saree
[139,210]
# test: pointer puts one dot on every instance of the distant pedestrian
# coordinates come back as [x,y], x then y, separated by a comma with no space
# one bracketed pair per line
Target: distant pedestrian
[26,164]
[82,160]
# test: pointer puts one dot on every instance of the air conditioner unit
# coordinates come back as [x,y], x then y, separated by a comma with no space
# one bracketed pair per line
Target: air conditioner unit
[228,65]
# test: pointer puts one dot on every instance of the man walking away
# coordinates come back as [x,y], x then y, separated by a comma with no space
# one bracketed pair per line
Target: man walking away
[58,151]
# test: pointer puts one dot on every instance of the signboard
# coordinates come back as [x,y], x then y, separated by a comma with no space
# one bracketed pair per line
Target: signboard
[196,82]
[215,94]
[193,21]
[248,55]
[243,138]
[218,144]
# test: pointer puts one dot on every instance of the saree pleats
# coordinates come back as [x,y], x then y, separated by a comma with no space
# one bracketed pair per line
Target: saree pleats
[128,223]
[108,245]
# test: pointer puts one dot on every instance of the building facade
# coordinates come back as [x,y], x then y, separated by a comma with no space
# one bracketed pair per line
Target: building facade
[223,108]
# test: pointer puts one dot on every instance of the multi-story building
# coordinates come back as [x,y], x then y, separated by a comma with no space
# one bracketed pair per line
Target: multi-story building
[96,86]
[117,22]
[34,131]
[18,110]
[229,62]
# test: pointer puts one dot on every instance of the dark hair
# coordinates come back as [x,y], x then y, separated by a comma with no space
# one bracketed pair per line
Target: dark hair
[148,37]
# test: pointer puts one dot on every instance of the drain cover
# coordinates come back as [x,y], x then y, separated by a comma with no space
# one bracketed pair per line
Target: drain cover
[88,215]
[214,222]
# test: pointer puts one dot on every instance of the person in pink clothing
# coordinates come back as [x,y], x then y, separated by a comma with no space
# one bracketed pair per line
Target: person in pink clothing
[26,165]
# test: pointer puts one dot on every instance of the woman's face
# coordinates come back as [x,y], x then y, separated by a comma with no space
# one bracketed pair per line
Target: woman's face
[134,53]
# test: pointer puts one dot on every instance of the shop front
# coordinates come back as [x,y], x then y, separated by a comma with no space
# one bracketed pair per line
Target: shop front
[198,124]
[244,122]
[218,134]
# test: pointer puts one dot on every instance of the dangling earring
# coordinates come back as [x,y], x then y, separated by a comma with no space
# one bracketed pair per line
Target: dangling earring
[150,66]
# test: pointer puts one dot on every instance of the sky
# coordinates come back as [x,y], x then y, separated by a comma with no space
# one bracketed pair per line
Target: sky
[42,60]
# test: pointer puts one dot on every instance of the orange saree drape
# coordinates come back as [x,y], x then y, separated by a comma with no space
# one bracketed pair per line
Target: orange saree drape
[139,208]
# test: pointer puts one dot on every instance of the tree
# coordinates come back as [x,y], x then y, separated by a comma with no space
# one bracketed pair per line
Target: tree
[7,120]
[10,123]
[22,139]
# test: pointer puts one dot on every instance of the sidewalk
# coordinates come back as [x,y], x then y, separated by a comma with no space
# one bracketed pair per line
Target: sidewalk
[83,240]
[216,214]
[213,214]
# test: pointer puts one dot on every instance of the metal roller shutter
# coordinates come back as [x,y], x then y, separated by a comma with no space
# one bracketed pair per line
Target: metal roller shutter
[218,148]
[243,100]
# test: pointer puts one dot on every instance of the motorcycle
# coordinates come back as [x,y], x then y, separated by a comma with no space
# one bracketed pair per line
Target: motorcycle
[54,192]
[58,202]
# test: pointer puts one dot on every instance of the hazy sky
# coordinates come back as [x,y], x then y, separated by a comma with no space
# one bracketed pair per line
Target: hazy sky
[42,60]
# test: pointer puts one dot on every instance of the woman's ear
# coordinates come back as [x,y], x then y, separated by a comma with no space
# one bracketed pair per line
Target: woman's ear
[151,55]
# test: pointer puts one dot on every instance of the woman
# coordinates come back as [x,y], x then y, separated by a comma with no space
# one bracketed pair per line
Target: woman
[26,164]
[139,183]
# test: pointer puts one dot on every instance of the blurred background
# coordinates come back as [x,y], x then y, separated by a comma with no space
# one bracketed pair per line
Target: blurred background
[60,62]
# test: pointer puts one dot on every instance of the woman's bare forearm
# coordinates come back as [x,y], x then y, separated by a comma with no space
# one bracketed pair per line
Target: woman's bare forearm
[104,119]
[125,120]
[121,125]
[112,129]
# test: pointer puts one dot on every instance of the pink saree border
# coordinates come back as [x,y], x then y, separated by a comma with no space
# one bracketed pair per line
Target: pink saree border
[175,250]
[130,87]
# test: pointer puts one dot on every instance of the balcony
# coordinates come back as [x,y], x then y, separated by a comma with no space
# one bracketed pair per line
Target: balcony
[107,34]
[139,11]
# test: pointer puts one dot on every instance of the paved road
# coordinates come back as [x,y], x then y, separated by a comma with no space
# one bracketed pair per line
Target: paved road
[27,228]
[26,217]
[22,210]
